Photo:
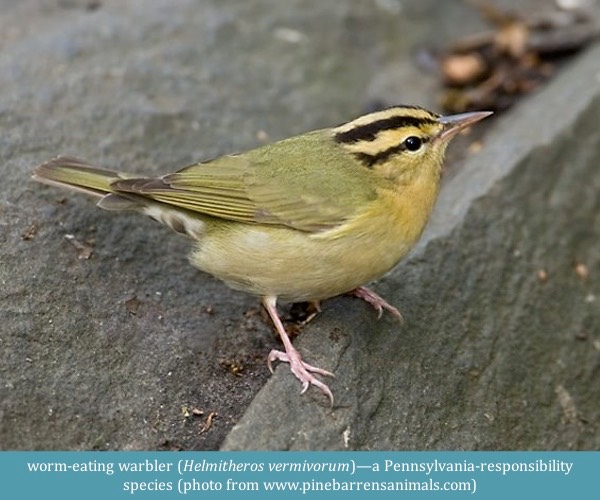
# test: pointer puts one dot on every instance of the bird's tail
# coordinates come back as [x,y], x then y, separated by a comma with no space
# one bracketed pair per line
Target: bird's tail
[75,174]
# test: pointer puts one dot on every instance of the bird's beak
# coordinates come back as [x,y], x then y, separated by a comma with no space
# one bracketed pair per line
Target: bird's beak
[453,124]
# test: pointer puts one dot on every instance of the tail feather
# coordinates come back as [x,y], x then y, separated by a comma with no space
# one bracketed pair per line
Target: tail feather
[76,174]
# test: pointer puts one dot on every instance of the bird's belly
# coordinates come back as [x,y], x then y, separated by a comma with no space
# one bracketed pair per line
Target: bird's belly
[297,266]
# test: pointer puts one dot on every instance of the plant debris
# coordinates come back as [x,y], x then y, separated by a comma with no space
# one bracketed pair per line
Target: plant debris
[582,271]
[208,422]
[233,366]
[85,250]
[492,69]
[132,305]
[30,232]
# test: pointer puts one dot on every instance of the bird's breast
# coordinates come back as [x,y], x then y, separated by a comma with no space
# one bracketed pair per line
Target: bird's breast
[296,266]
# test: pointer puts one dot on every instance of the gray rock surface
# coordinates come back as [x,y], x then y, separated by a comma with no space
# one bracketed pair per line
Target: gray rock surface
[116,351]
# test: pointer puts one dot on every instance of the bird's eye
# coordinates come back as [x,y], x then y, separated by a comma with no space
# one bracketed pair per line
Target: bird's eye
[413,143]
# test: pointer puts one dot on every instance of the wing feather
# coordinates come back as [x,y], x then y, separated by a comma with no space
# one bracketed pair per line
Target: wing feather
[302,182]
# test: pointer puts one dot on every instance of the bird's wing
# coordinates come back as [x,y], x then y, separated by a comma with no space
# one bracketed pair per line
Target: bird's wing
[303,182]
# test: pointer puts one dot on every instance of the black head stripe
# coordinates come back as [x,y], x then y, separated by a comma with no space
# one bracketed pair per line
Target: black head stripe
[369,131]
[373,159]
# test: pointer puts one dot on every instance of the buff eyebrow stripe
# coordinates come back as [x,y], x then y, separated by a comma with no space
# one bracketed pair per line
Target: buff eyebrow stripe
[369,131]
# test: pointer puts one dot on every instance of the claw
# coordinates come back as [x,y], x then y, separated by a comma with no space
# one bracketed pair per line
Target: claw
[285,357]
[376,301]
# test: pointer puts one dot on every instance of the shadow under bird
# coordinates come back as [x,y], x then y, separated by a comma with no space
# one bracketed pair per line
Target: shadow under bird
[302,219]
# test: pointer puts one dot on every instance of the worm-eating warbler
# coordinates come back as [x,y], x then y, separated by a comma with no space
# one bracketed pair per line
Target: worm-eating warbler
[302,219]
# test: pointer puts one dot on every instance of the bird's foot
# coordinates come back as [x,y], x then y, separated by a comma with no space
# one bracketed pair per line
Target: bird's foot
[376,301]
[301,370]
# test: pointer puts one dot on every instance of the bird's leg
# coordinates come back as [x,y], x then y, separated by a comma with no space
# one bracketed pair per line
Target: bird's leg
[376,301]
[299,368]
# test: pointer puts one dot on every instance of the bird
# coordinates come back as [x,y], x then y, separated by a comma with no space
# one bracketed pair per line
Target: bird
[302,219]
